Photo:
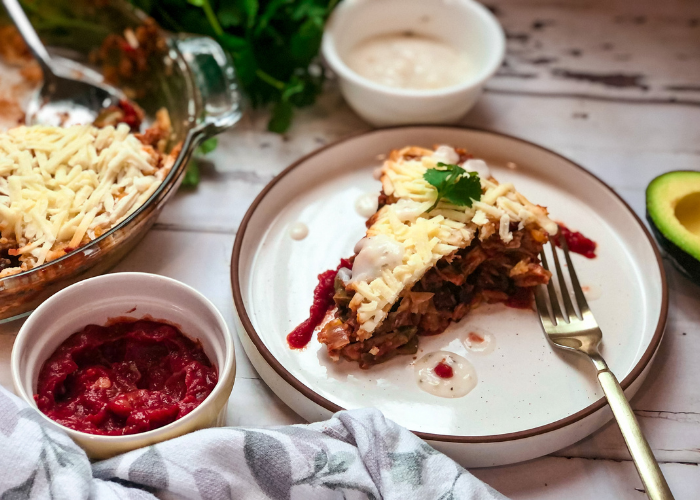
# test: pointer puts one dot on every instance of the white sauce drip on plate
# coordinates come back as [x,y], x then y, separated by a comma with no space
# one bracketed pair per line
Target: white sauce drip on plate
[367,204]
[592,292]
[408,61]
[480,341]
[298,231]
[374,254]
[460,384]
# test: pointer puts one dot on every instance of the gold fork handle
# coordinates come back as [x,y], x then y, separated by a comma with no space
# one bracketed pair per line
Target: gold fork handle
[647,466]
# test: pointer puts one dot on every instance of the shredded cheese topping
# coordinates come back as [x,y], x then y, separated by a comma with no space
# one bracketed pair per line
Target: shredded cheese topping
[431,236]
[59,186]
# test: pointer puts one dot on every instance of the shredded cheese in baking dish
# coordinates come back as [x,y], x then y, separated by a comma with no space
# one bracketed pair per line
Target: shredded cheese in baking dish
[60,186]
[428,237]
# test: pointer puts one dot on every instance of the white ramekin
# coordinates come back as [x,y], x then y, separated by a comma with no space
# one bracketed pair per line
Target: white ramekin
[126,295]
[465,24]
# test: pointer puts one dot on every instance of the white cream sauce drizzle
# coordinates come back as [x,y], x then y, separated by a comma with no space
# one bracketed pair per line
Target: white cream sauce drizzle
[480,341]
[478,166]
[446,154]
[367,204]
[408,61]
[463,380]
[298,231]
[409,210]
[344,274]
[373,255]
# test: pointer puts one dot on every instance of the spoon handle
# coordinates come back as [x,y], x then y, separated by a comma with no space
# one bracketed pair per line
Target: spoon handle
[25,28]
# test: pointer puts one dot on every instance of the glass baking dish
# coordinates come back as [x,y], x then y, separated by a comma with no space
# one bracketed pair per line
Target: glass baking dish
[194,80]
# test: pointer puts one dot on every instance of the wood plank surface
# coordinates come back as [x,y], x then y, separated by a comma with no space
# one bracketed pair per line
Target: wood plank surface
[612,50]
[553,478]
[613,85]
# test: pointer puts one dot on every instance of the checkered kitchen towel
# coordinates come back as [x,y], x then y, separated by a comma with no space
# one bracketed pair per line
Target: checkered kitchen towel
[354,455]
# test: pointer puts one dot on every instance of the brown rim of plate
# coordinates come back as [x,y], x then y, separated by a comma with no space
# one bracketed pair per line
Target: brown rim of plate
[496,438]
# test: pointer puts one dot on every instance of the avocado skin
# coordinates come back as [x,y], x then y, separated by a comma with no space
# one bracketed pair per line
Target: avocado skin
[687,264]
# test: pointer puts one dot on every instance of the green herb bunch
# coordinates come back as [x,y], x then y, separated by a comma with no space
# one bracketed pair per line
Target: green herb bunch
[191,178]
[274,45]
[454,185]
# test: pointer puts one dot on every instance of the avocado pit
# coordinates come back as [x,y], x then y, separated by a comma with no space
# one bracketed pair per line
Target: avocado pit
[688,212]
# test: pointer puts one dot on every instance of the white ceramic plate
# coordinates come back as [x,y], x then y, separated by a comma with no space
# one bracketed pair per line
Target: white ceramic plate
[529,400]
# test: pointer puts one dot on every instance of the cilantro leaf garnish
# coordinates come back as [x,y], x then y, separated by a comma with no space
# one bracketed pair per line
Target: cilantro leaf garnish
[454,184]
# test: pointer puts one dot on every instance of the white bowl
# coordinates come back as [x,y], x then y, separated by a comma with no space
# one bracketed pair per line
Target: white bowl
[126,295]
[465,24]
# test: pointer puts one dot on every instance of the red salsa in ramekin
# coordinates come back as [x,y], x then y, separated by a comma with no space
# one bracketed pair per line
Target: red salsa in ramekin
[124,378]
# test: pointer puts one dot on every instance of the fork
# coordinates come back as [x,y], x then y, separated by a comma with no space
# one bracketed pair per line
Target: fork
[580,333]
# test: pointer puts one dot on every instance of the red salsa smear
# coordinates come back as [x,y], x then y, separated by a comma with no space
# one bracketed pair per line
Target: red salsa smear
[443,370]
[577,242]
[323,301]
[124,378]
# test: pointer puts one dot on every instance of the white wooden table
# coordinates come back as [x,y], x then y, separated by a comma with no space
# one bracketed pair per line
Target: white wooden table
[614,86]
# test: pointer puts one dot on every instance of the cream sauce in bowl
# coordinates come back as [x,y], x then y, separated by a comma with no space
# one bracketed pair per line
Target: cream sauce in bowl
[409,61]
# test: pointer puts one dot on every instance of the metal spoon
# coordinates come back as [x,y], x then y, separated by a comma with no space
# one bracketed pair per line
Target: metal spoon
[62,99]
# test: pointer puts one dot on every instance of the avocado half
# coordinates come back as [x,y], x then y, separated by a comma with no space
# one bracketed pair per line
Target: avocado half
[673,211]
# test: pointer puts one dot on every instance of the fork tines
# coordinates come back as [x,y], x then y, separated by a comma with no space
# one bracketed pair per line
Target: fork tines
[544,303]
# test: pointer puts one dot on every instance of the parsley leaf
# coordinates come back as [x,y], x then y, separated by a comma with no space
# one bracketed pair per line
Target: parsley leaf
[191,178]
[208,146]
[453,184]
